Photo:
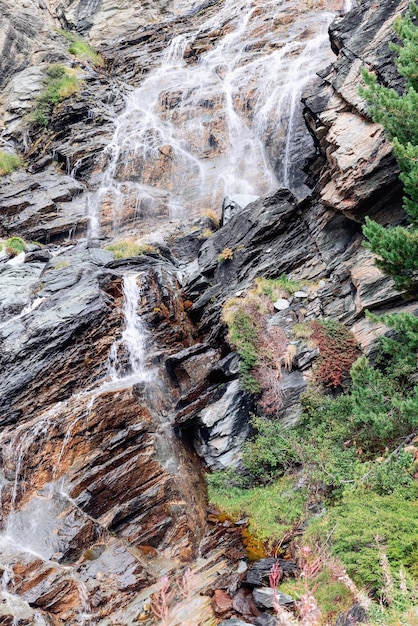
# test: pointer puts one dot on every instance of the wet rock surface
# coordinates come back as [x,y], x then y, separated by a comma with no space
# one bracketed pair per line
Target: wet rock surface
[101,486]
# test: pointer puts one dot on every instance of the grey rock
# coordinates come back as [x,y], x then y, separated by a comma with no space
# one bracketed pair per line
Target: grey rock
[234,622]
[258,574]
[281,304]
[222,428]
[265,619]
[232,205]
[293,384]
[43,207]
[306,357]
[17,284]
[355,615]
[266,597]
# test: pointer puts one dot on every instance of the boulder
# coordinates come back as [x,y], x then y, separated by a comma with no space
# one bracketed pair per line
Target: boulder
[258,574]
[268,598]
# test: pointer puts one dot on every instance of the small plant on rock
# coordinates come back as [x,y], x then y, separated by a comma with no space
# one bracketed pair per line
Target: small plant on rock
[15,245]
[60,83]
[8,162]
[213,219]
[227,254]
[125,249]
[82,50]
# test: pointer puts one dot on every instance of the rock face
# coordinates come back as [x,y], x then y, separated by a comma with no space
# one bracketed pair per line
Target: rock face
[359,174]
[117,376]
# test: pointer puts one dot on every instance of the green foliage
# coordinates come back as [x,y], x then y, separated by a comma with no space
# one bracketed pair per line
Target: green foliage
[380,413]
[60,83]
[397,247]
[391,475]
[82,50]
[272,510]
[15,245]
[331,595]
[356,522]
[8,162]
[269,454]
[243,336]
[277,287]
[125,249]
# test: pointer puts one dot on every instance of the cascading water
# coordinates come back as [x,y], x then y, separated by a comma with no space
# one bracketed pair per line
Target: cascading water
[133,339]
[218,116]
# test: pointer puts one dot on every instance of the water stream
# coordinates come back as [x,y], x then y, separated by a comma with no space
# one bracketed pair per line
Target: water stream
[218,116]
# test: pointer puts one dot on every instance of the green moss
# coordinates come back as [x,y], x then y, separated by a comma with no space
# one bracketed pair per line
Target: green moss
[272,510]
[8,162]
[82,50]
[125,249]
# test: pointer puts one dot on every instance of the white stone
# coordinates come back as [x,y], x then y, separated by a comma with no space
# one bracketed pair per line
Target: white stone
[300,294]
[281,304]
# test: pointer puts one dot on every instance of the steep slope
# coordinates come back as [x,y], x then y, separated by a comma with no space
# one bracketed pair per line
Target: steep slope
[101,486]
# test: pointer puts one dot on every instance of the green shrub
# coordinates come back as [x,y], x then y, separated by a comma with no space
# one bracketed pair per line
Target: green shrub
[15,245]
[227,254]
[8,162]
[270,453]
[356,522]
[125,249]
[82,50]
[60,83]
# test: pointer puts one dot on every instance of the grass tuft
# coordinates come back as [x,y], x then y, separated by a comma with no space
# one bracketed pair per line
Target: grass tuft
[82,50]
[8,162]
[125,249]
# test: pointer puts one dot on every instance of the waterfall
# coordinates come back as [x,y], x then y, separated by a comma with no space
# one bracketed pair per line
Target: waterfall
[219,115]
[132,341]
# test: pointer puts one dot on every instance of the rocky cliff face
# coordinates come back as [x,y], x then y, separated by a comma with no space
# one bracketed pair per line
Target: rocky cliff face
[105,419]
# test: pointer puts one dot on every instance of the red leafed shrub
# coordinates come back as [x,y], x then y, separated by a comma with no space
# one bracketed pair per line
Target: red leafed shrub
[338,350]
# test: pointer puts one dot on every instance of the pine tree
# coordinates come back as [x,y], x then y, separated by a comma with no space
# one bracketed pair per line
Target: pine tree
[397,248]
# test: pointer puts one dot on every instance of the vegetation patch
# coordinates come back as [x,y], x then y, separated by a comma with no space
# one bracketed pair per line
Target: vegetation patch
[338,351]
[82,50]
[125,249]
[15,245]
[361,526]
[261,347]
[213,218]
[272,511]
[9,162]
[60,83]
[280,287]
[227,254]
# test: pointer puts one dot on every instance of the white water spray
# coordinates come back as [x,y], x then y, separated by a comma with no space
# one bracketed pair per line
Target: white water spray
[133,339]
[219,116]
